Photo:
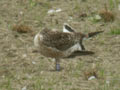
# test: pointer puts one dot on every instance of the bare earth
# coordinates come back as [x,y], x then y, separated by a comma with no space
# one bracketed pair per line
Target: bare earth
[21,69]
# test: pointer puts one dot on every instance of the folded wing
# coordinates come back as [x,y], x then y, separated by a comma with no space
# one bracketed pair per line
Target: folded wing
[58,40]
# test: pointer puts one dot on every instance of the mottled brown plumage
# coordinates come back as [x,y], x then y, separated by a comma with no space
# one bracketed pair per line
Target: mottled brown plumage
[56,44]
[59,40]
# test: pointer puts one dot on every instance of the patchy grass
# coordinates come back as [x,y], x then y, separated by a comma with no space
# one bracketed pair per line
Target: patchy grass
[115,31]
[112,4]
[32,3]
[20,68]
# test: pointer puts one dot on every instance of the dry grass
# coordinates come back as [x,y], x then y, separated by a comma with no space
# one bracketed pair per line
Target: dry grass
[22,28]
[107,15]
[20,68]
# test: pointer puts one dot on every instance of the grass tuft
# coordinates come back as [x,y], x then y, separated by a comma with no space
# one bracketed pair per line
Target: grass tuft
[111,3]
[32,3]
[115,31]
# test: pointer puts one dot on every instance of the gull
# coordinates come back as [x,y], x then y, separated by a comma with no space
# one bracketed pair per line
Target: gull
[58,45]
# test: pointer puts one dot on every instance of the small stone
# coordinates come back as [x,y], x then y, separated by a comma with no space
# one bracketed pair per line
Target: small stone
[24,88]
[3,76]
[24,55]
[21,13]
[107,82]
[70,18]
[28,76]
[51,11]
[91,77]
[98,17]
[33,62]
[58,10]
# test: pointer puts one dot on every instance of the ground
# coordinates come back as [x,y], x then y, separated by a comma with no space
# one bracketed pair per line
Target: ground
[21,69]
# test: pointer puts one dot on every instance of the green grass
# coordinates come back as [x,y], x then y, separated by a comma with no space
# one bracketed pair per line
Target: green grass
[115,31]
[32,3]
[113,3]
[95,18]
[110,84]
[38,85]
[6,84]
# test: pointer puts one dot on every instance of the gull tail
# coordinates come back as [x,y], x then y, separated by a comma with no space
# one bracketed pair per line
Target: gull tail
[91,34]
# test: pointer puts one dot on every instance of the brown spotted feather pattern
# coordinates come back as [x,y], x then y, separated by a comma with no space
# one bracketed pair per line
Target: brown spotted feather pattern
[59,40]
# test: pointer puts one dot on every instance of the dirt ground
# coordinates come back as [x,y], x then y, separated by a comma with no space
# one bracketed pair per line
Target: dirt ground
[21,69]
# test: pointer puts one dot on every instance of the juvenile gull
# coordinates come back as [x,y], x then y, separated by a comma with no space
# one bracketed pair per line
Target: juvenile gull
[58,45]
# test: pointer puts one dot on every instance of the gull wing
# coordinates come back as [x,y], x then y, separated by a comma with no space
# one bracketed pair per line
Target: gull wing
[58,40]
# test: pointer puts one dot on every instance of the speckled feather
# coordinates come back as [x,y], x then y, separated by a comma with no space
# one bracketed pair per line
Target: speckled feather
[60,40]
[56,44]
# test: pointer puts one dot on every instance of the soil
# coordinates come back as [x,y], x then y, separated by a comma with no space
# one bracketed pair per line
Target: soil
[22,69]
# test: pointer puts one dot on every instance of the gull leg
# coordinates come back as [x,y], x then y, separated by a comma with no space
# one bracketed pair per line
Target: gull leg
[57,64]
